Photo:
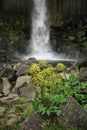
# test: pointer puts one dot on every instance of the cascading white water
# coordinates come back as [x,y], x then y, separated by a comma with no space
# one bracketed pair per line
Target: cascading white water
[40,33]
[40,48]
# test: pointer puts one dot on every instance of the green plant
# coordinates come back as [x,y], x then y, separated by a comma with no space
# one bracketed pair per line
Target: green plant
[60,66]
[34,69]
[54,124]
[27,111]
[42,64]
[71,38]
[54,91]
[21,101]
[85,107]
[84,44]
[48,100]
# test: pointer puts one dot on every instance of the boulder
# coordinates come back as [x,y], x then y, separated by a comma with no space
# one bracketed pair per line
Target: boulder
[32,122]
[73,114]
[27,92]
[21,80]
[22,70]
[83,74]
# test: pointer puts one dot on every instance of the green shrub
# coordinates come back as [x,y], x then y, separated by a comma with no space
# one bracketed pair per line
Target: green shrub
[53,89]
[60,66]
[34,69]
[42,64]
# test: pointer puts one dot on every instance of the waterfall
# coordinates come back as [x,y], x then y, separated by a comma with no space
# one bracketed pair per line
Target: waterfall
[40,30]
[40,34]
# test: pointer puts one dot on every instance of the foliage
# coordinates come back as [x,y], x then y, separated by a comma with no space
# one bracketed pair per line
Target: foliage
[71,38]
[85,107]
[53,90]
[54,126]
[34,69]
[84,44]
[27,111]
[42,64]
[21,101]
[60,66]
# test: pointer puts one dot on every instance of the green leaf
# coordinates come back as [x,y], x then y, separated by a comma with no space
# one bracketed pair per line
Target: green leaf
[71,38]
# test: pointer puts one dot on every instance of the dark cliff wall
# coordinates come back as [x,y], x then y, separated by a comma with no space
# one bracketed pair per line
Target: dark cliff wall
[58,10]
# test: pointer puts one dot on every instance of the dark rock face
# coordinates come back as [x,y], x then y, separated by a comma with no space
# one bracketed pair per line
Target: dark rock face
[57,9]
[9,73]
[74,114]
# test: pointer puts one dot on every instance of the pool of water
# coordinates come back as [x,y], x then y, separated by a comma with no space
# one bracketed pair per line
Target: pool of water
[65,62]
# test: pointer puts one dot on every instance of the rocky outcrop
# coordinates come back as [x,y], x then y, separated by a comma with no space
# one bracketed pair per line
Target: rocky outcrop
[73,114]
[16,89]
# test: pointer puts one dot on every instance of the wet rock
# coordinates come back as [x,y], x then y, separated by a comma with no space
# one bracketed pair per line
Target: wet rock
[27,92]
[2,111]
[73,114]
[83,74]
[6,86]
